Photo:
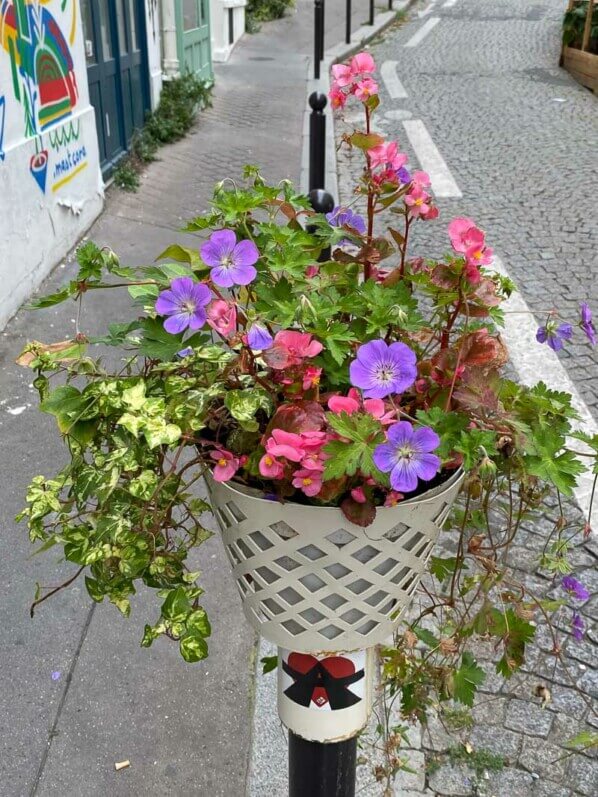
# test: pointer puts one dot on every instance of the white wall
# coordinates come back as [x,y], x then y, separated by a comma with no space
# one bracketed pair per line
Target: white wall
[219,18]
[154,50]
[50,183]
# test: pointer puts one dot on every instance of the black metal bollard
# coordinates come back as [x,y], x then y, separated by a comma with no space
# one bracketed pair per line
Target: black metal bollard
[318,35]
[322,28]
[348,22]
[317,140]
[390,5]
[372,12]
[321,770]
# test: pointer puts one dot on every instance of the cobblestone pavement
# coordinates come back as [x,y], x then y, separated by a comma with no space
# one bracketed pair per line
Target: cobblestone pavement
[519,137]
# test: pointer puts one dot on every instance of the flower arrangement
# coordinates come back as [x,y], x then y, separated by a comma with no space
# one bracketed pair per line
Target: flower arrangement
[308,358]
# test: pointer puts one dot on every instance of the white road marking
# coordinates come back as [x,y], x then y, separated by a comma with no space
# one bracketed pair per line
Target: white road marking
[443,182]
[395,88]
[449,3]
[534,362]
[423,32]
[398,114]
[426,11]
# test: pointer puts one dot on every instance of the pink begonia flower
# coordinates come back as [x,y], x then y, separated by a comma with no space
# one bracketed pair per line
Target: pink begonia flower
[365,89]
[463,234]
[479,255]
[393,498]
[311,377]
[432,214]
[312,271]
[377,409]
[308,481]
[270,467]
[291,348]
[226,465]
[338,98]
[285,444]
[417,202]
[338,404]
[421,178]
[357,494]
[362,62]
[222,316]
[387,155]
[343,75]
[386,176]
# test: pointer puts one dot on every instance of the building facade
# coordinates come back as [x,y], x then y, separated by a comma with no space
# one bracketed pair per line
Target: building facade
[77,77]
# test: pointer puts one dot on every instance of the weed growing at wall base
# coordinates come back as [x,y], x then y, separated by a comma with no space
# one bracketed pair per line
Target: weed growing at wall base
[180,101]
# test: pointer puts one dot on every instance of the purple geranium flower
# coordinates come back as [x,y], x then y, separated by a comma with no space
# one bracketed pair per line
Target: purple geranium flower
[407,455]
[344,217]
[577,626]
[554,335]
[380,369]
[184,303]
[231,262]
[575,588]
[404,175]
[258,338]
[586,322]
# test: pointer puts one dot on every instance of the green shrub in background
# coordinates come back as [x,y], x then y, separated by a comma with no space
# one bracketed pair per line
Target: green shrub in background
[180,100]
[263,11]
[574,23]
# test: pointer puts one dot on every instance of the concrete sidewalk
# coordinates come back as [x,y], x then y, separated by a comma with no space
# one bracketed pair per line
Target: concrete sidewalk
[186,729]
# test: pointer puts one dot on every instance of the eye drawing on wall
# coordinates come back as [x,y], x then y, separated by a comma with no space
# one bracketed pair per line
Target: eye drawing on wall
[42,71]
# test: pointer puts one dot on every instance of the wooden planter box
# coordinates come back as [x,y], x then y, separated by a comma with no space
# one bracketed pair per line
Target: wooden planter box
[582,65]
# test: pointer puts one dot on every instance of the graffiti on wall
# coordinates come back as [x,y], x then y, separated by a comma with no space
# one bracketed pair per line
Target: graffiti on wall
[44,85]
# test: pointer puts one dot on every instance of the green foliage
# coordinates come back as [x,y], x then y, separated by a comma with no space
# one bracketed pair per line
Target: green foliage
[574,22]
[361,435]
[173,118]
[258,11]
[126,175]
[481,760]
[466,679]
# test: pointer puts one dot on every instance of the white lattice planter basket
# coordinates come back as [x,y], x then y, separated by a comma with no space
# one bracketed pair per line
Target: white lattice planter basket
[312,581]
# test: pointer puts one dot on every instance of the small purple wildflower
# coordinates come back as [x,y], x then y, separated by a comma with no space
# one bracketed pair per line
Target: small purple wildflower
[407,455]
[258,338]
[575,588]
[577,626]
[554,335]
[404,175]
[185,352]
[380,369]
[586,322]
[184,303]
[232,263]
[344,217]
[56,675]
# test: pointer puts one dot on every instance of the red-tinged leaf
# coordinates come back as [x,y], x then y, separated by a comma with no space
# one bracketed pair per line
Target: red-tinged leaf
[301,416]
[443,277]
[366,140]
[360,514]
[332,489]
[479,390]
[479,349]
[398,238]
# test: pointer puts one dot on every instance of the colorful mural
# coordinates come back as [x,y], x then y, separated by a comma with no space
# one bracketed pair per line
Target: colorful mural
[43,80]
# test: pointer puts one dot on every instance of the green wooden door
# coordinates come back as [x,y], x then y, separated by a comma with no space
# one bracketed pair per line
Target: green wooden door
[193,38]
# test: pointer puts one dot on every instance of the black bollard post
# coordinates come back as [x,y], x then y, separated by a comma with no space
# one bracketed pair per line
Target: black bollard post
[317,140]
[348,22]
[390,5]
[322,26]
[318,21]
[322,202]
[372,12]
[321,770]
